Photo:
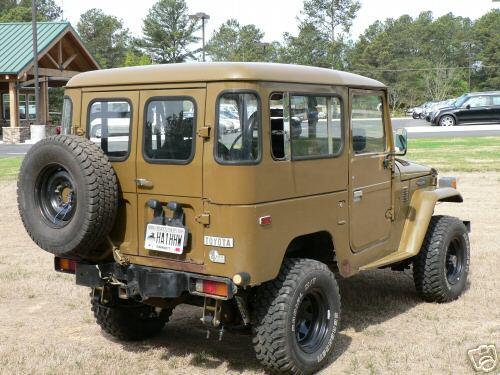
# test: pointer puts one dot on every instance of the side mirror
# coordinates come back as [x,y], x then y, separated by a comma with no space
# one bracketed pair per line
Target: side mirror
[400,142]
[467,106]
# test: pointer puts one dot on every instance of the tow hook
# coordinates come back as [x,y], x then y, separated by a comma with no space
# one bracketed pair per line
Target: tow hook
[211,316]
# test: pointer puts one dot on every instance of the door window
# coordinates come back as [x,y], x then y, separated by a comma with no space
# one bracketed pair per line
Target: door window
[477,101]
[169,130]
[367,123]
[109,126]
[238,128]
[67,113]
[496,100]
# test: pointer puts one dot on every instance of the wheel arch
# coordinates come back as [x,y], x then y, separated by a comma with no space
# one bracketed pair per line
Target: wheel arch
[318,245]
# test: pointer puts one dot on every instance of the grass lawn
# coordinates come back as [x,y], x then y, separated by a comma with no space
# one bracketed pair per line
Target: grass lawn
[9,167]
[473,154]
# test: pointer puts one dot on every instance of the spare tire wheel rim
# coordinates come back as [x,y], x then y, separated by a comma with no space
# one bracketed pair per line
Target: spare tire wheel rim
[311,325]
[55,195]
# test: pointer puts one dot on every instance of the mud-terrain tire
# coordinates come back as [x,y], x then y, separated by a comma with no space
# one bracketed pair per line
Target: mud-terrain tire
[296,317]
[130,321]
[67,196]
[441,268]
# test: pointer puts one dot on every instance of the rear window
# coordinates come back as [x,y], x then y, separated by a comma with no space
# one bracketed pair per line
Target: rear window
[169,130]
[109,126]
[238,128]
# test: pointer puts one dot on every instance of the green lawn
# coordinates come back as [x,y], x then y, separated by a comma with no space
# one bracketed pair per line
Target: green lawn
[472,154]
[9,167]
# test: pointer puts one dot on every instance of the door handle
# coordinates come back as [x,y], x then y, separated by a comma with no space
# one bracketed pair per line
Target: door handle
[357,195]
[142,182]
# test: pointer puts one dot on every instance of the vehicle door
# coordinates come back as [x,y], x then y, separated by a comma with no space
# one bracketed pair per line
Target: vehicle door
[476,109]
[495,105]
[110,120]
[169,170]
[369,174]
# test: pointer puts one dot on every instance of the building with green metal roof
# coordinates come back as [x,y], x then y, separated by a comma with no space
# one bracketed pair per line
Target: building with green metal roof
[61,55]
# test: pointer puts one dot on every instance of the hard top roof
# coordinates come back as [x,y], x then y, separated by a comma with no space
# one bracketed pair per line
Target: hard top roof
[227,71]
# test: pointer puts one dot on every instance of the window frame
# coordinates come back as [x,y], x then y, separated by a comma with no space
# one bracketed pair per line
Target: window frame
[70,115]
[290,94]
[108,100]
[381,94]
[216,128]
[149,160]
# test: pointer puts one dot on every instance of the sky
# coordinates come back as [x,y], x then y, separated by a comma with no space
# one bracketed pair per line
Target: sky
[275,17]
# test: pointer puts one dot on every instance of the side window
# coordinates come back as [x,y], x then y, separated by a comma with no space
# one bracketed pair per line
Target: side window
[367,124]
[496,100]
[477,101]
[67,113]
[109,126]
[238,128]
[169,130]
[277,126]
[315,128]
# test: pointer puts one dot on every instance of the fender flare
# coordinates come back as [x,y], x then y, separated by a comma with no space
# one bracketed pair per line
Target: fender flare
[419,216]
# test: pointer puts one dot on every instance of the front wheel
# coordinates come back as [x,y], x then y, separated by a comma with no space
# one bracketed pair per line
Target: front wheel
[441,268]
[296,318]
[447,120]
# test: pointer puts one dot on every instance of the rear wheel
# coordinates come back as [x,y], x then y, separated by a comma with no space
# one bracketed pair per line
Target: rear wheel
[441,268]
[129,320]
[447,120]
[296,317]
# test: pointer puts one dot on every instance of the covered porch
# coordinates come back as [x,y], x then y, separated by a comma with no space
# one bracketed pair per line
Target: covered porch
[61,56]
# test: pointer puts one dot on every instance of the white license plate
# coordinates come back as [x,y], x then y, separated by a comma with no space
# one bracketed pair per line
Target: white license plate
[165,238]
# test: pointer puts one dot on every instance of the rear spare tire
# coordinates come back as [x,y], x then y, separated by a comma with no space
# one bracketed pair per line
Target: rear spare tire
[67,196]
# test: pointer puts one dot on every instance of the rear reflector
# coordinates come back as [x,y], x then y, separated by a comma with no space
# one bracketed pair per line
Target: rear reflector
[215,288]
[64,265]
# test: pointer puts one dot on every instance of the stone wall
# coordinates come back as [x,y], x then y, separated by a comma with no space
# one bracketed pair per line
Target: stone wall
[15,135]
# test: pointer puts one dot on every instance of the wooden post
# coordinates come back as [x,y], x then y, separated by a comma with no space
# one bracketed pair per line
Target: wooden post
[14,105]
[44,102]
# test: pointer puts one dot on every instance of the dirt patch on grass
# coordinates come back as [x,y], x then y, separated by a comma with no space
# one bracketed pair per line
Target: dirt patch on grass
[46,326]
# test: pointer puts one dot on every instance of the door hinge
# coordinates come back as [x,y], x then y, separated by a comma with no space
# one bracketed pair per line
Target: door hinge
[203,218]
[204,132]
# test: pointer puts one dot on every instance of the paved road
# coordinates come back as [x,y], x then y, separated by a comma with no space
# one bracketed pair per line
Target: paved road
[416,129]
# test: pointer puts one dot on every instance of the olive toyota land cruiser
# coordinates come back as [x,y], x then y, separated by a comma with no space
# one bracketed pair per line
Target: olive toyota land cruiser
[245,189]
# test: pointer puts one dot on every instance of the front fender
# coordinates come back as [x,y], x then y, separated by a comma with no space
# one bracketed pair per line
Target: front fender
[419,216]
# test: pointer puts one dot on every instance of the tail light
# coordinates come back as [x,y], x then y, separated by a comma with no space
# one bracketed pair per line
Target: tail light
[65,265]
[214,288]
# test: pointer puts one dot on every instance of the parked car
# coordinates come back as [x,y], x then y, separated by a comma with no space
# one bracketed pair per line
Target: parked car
[475,107]
[428,108]
[436,106]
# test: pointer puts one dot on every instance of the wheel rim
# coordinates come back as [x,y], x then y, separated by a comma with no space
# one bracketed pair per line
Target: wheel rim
[311,324]
[447,121]
[454,262]
[55,195]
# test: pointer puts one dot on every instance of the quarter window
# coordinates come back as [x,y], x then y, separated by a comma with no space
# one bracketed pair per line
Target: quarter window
[109,126]
[238,128]
[367,122]
[169,131]
[315,126]
[67,112]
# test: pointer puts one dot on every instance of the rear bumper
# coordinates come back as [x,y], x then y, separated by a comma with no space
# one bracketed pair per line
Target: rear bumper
[146,282]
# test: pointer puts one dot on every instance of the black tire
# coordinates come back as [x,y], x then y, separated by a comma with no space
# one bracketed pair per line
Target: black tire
[447,120]
[130,321]
[67,196]
[415,116]
[441,268]
[283,340]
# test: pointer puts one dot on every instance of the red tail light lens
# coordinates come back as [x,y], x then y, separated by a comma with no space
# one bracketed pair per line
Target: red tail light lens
[215,288]
[64,265]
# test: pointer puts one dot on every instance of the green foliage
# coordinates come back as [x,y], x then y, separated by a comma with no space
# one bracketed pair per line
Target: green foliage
[233,42]
[20,10]
[9,168]
[169,32]
[486,44]
[105,37]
